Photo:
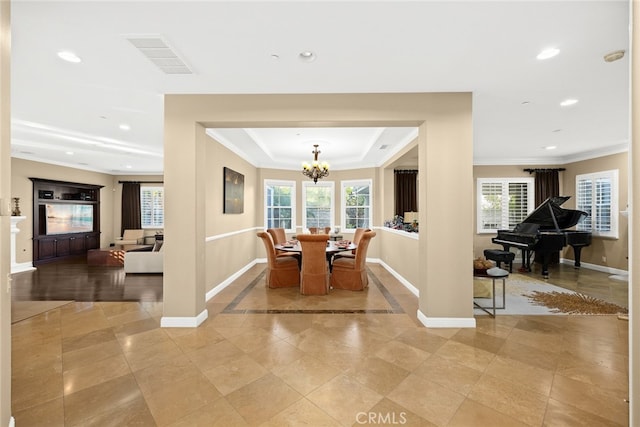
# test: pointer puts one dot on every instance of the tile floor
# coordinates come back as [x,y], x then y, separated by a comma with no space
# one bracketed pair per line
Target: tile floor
[275,358]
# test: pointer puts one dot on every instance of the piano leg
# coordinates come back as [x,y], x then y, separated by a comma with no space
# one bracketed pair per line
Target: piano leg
[526,261]
[546,257]
[576,251]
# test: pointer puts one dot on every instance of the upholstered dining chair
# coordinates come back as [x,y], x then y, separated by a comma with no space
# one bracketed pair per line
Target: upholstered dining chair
[318,230]
[356,240]
[314,274]
[282,272]
[280,237]
[351,273]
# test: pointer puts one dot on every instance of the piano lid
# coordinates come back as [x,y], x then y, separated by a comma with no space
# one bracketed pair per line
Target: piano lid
[550,208]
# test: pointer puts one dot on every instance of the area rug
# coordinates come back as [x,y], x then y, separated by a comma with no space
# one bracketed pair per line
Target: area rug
[575,303]
[528,296]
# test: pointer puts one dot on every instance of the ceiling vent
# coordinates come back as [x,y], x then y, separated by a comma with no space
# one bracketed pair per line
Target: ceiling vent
[159,52]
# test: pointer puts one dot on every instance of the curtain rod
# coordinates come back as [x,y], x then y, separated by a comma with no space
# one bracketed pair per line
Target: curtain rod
[140,182]
[544,170]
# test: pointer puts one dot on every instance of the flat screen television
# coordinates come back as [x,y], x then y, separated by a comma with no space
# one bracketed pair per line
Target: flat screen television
[69,218]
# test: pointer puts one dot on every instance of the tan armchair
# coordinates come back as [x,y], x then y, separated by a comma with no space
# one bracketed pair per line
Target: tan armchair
[131,237]
[315,269]
[280,237]
[317,230]
[351,273]
[282,272]
[356,241]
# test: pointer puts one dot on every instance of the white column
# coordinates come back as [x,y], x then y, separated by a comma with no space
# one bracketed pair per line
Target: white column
[15,267]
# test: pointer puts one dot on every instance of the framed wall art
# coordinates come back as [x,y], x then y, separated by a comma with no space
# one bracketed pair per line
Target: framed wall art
[233,192]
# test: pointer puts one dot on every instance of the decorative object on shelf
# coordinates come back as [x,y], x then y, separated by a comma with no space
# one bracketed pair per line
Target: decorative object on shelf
[16,207]
[315,170]
[233,192]
[410,217]
[398,223]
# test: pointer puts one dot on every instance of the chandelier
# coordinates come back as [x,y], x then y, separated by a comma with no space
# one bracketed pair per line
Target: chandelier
[315,170]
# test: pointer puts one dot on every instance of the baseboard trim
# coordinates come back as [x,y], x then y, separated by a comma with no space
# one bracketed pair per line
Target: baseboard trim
[415,291]
[184,322]
[226,282]
[596,267]
[446,322]
[22,267]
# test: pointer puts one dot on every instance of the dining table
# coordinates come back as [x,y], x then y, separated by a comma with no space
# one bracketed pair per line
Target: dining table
[333,247]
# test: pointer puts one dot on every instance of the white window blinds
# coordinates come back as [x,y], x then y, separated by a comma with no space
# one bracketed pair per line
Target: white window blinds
[152,207]
[503,202]
[597,195]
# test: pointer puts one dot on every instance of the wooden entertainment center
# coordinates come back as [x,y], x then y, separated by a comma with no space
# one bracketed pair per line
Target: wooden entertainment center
[66,219]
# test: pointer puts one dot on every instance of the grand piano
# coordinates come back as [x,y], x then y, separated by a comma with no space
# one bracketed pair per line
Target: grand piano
[544,232]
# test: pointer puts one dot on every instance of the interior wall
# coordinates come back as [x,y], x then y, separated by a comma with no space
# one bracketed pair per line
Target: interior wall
[449,118]
[22,187]
[5,213]
[606,252]
[634,216]
[230,238]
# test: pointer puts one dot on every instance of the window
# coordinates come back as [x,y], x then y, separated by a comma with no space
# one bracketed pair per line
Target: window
[597,195]
[152,207]
[317,204]
[356,204]
[503,202]
[280,204]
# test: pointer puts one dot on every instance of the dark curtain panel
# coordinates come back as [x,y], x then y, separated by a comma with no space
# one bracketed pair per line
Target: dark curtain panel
[131,212]
[547,184]
[406,191]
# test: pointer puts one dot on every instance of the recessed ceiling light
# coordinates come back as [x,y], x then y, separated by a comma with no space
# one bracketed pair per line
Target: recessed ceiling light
[124,126]
[275,56]
[128,166]
[568,102]
[526,102]
[69,56]
[70,153]
[548,53]
[307,56]
[550,147]
[556,130]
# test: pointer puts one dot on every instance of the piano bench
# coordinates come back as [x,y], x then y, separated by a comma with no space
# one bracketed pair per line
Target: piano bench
[500,256]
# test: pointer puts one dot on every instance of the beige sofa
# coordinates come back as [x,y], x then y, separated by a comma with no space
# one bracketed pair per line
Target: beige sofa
[131,237]
[144,261]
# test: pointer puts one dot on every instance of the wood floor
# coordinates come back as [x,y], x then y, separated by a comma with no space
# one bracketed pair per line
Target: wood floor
[358,358]
[77,281]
